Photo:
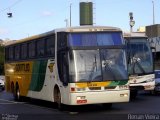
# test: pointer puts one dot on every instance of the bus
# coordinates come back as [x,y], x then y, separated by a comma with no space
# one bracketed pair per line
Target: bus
[155,43]
[69,66]
[140,63]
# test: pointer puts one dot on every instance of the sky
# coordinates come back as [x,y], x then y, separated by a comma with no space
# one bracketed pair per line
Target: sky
[31,17]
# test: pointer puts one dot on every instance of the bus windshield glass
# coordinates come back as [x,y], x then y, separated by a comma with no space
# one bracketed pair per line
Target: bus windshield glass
[97,64]
[140,59]
[95,39]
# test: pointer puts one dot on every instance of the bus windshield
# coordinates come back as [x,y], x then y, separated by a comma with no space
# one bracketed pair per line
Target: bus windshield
[140,59]
[97,64]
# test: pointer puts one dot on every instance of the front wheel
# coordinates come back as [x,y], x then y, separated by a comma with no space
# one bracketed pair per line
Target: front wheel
[133,94]
[57,99]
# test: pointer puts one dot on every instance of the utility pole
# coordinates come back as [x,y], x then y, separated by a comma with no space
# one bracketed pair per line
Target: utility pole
[153,12]
[70,14]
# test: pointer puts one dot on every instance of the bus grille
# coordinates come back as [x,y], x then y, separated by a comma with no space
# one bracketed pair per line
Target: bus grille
[110,87]
[94,88]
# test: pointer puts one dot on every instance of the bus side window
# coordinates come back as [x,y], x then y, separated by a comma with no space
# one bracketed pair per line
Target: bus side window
[17,52]
[50,45]
[40,47]
[32,49]
[11,53]
[7,54]
[24,51]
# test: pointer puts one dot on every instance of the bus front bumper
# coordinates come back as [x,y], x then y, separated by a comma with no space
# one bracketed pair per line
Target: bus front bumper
[143,86]
[93,97]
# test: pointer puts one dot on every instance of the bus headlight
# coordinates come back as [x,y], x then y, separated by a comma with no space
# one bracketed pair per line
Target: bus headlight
[124,95]
[123,87]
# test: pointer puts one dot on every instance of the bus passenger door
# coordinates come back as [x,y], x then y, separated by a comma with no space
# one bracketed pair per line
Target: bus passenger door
[63,68]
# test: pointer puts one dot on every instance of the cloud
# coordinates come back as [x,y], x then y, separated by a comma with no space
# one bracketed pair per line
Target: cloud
[47,13]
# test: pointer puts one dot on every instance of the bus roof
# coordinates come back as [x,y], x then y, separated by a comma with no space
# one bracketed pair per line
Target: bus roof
[68,29]
[88,29]
[134,35]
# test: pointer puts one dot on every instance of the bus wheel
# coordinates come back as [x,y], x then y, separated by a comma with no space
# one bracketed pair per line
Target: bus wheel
[133,94]
[57,99]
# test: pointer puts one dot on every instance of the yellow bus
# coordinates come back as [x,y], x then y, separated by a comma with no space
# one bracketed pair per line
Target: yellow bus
[71,66]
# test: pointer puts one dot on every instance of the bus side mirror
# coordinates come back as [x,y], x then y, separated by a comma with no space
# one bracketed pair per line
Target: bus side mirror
[153,48]
[65,83]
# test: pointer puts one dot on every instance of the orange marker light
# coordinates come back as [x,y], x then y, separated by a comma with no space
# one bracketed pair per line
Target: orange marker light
[72,89]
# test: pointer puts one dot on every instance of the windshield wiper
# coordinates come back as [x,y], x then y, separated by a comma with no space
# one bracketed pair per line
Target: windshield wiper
[107,65]
[135,61]
[94,66]
[139,65]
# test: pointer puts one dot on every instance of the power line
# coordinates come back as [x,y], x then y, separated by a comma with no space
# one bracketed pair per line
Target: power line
[18,1]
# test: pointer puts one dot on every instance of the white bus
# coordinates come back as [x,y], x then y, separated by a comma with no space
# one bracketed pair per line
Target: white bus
[140,63]
[71,66]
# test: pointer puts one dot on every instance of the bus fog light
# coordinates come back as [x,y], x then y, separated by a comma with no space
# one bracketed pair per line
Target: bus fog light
[124,95]
[81,97]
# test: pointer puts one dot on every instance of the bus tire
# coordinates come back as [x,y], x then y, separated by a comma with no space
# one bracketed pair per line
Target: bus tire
[133,94]
[57,98]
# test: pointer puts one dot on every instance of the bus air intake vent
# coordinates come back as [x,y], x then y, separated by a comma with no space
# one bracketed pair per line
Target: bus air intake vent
[94,88]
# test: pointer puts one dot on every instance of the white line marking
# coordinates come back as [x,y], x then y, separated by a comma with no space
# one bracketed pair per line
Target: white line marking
[11,101]
[6,103]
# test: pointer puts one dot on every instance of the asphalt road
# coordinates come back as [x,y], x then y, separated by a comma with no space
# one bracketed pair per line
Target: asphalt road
[145,107]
